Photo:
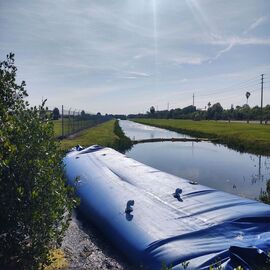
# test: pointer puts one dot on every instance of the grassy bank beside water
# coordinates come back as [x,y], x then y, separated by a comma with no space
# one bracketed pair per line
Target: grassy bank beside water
[253,138]
[107,134]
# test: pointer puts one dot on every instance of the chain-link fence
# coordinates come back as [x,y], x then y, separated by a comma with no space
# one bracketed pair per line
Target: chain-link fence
[68,122]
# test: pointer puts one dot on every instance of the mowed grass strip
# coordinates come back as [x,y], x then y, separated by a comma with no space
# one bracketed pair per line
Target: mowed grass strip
[254,138]
[57,125]
[70,126]
[102,134]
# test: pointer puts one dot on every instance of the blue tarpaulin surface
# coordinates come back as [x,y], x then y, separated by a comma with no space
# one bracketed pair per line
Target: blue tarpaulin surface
[202,226]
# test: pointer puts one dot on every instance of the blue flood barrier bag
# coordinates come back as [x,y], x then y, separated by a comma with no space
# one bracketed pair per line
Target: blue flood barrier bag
[172,220]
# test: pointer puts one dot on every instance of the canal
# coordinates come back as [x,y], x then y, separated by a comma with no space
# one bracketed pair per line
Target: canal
[209,164]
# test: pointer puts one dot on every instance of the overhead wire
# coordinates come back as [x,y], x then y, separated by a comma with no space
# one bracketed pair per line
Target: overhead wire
[240,85]
[246,87]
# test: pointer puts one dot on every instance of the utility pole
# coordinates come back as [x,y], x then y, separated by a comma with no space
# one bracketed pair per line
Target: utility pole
[193,100]
[261,98]
[73,128]
[168,106]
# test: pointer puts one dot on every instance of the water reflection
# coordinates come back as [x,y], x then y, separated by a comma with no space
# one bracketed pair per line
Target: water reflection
[137,131]
[212,165]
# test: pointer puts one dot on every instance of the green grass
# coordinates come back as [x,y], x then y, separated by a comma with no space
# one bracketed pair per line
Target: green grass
[103,134]
[253,138]
[57,125]
[70,126]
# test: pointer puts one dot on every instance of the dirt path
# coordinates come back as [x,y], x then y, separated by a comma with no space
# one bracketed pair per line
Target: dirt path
[86,248]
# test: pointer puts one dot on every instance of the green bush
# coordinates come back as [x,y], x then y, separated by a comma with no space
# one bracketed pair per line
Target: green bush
[34,201]
[122,143]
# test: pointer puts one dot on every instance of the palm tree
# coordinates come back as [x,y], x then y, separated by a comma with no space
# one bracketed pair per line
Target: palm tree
[152,110]
[247,96]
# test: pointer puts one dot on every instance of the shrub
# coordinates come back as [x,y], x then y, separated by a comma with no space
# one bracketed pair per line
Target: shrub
[34,199]
[122,143]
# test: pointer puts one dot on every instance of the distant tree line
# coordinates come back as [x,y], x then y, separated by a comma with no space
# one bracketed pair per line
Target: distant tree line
[213,112]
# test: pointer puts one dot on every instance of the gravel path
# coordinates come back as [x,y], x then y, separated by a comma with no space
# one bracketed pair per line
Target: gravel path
[86,248]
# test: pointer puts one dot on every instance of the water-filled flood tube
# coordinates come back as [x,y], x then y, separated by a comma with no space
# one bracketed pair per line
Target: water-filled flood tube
[155,218]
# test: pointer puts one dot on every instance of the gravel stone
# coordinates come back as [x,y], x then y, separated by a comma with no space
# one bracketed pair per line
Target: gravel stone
[87,249]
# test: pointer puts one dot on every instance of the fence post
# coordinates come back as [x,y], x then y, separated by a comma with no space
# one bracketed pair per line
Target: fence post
[69,122]
[81,120]
[73,128]
[62,121]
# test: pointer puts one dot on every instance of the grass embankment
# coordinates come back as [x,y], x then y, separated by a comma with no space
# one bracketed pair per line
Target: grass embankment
[253,138]
[57,124]
[70,126]
[108,134]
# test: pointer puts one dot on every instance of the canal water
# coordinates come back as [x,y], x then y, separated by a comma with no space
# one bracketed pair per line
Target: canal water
[209,164]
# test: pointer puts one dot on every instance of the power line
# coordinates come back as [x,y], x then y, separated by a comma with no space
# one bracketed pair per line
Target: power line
[237,95]
[251,85]
[228,97]
[244,84]
[252,91]
[231,90]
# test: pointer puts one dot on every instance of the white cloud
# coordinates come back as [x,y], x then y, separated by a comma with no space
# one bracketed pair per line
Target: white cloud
[138,56]
[129,77]
[255,24]
[132,75]
[231,42]
[192,60]
[138,74]
[237,40]
[87,51]
[228,48]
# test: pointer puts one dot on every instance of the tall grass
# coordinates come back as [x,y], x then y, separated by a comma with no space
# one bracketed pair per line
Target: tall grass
[243,137]
[108,134]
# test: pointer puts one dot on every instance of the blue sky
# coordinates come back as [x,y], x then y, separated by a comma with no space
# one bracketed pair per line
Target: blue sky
[123,56]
